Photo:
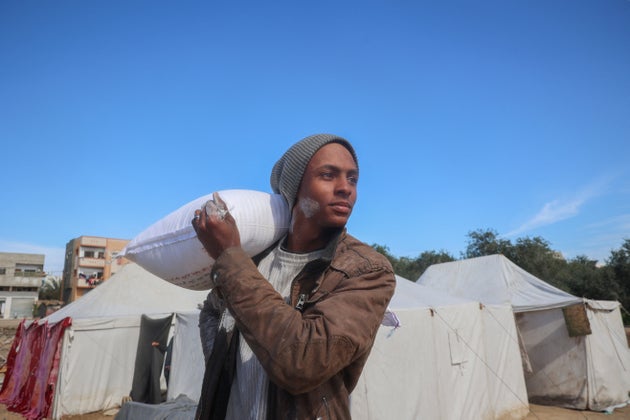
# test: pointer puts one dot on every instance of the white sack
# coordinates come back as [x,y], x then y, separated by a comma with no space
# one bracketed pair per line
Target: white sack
[170,249]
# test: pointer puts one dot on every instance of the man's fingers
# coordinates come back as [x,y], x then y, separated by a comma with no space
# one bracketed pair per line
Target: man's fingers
[211,209]
[195,219]
[219,201]
[216,207]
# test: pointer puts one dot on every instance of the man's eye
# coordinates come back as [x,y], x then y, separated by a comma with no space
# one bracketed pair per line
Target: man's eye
[327,175]
[353,180]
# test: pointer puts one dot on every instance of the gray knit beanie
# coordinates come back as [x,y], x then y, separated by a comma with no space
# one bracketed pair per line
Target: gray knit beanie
[288,171]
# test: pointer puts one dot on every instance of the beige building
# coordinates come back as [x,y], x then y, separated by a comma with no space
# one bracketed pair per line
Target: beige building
[21,276]
[89,261]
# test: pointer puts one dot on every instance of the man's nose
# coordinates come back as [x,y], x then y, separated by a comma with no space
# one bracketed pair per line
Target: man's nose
[344,186]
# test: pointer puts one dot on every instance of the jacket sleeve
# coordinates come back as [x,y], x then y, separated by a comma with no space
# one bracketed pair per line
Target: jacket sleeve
[302,350]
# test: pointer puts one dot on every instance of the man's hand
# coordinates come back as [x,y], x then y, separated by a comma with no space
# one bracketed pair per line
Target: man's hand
[215,227]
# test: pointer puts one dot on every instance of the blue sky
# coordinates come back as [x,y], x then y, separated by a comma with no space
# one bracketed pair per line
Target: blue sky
[504,115]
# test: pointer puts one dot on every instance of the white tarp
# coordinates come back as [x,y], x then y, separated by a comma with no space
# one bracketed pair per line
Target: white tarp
[583,372]
[99,348]
[451,359]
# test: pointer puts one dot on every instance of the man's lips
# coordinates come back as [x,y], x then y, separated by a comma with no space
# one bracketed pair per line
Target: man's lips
[341,207]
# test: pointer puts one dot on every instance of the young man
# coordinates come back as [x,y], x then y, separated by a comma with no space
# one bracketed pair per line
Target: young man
[287,333]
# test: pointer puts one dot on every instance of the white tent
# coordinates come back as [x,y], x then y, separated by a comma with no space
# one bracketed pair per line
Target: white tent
[98,350]
[451,359]
[582,370]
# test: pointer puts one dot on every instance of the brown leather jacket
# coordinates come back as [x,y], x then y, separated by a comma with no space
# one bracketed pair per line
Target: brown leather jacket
[314,349]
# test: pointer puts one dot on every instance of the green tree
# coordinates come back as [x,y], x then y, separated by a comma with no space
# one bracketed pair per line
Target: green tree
[405,267]
[486,242]
[412,268]
[50,288]
[589,281]
[394,261]
[617,272]
[426,259]
[383,249]
[535,256]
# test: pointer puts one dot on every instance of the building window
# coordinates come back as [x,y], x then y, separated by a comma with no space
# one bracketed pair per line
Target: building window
[3,270]
[93,253]
[24,289]
[27,272]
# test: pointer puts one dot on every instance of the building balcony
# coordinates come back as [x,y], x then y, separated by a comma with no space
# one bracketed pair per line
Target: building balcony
[88,283]
[22,281]
[37,274]
[91,262]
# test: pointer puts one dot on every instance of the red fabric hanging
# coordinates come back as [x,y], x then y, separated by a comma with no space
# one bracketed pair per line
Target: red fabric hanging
[18,372]
[30,381]
[9,383]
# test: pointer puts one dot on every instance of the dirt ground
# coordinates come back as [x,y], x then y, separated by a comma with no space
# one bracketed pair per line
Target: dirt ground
[536,412]
[556,413]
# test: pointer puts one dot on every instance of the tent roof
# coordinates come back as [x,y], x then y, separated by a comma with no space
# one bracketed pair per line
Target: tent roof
[131,291]
[134,291]
[411,295]
[494,279]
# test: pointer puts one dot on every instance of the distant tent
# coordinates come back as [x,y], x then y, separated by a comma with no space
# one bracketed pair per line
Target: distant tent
[96,352]
[577,353]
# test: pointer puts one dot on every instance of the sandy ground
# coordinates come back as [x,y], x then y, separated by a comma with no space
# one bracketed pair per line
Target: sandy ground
[556,413]
[7,332]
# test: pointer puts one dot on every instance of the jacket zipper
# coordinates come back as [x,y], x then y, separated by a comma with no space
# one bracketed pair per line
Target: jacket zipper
[300,303]
[327,408]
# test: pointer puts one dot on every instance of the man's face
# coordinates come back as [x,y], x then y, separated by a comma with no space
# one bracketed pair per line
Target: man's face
[328,190]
